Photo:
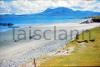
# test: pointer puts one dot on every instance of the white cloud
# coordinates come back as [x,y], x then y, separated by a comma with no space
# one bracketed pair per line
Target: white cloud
[36,6]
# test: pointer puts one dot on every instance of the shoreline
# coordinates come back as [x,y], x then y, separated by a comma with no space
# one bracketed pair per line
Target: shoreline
[78,47]
[59,52]
[30,51]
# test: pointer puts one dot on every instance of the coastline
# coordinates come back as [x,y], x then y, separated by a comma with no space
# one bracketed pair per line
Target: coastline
[23,53]
[43,59]
[49,33]
[83,54]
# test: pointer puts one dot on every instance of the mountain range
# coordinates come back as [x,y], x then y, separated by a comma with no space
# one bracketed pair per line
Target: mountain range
[55,13]
[68,13]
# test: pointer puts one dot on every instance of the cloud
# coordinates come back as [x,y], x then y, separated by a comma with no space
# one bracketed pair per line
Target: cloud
[37,6]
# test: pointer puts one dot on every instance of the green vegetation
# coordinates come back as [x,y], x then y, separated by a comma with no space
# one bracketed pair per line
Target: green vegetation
[96,17]
[85,54]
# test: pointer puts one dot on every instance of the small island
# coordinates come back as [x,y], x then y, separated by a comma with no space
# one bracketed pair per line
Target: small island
[6,24]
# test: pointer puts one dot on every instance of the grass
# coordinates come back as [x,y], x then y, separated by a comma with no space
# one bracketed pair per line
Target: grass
[82,56]
[96,17]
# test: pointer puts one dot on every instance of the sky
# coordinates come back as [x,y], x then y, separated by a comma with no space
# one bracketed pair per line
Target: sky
[20,7]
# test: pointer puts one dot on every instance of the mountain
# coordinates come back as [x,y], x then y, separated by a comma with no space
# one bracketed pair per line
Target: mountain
[60,13]
[69,13]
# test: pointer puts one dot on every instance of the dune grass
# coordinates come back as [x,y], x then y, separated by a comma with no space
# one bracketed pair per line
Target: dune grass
[96,17]
[87,55]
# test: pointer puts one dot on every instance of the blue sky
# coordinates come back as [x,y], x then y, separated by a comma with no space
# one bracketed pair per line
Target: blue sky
[37,6]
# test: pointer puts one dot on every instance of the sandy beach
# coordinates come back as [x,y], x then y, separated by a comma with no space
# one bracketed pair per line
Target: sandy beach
[20,52]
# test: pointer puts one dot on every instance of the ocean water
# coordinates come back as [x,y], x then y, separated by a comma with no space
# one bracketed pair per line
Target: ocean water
[38,20]
[20,21]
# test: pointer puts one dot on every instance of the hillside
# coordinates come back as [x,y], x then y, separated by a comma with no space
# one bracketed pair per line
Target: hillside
[85,54]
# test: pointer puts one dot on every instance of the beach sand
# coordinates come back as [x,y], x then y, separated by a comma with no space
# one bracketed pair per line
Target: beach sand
[19,53]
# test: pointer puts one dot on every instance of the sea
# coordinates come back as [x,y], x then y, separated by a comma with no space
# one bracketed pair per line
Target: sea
[31,20]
